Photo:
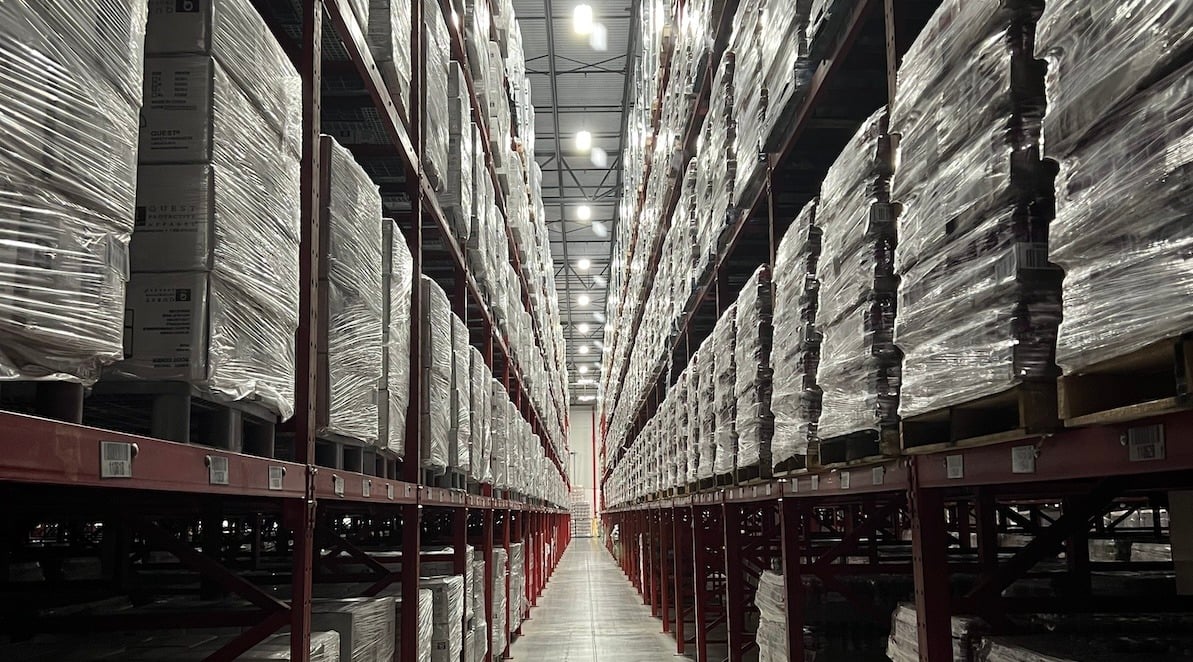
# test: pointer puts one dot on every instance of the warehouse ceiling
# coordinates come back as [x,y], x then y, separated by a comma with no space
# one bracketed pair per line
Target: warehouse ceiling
[579,84]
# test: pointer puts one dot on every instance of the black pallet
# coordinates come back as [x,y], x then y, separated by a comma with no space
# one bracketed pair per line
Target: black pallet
[859,446]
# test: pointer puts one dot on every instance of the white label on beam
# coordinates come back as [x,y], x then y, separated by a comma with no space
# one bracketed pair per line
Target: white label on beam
[217,470]
[954,466]
[1023,460]
[115,459]
[1146,443]
[276,476]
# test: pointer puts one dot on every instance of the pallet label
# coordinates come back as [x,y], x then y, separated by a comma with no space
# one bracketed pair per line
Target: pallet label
[877,475]
[1146,443]
[115,459]
[1023,460]
[845,480]
[954,466]
[276,474]
[389,491]
[337,485]
[217,470]
[815,483]
[366,487]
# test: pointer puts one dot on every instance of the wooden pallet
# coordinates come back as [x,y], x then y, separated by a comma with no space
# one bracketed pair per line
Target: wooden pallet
[1152,381]
[1026,409]
[177,412]
[857,447]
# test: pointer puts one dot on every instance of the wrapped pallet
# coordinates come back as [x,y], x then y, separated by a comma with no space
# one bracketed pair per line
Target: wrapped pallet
[904,646]
[860,366]
[456,197]
[771,601]
[786,66]
[796,343]
[722,342]
[695,422]
[365,626]
[1119,123]
[436,47]
[389,42]
[518,602]
[395,383]
[499,435]
[708,412]
[437,376]
[752,391]
[461,399]
[500,604]
[426,624]
[447,638]
[716,178]
[978,301]
[481,381]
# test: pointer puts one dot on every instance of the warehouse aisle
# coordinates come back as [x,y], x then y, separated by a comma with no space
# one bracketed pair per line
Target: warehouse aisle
[591,613]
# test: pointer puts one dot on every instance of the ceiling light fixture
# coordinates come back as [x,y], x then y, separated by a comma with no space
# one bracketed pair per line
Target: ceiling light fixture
[583,264]
[583,370]
[583,300]
[583,140]
[582,19]
[582,327]
[584,212]
[583,349]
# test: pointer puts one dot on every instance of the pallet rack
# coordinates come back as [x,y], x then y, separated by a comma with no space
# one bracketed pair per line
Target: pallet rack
[930,516]
[245,523]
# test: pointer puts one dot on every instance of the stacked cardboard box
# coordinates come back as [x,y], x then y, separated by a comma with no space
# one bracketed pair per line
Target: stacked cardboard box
[860,365]
[500,608]
[426,622]
[447,595]
[755,424]
[518,602]
[1119,123]
[978,301]
[70,88]
[904,646]
[437,376]
[797,397]
[771,601]
[365,626]
[395,384]
[214,296]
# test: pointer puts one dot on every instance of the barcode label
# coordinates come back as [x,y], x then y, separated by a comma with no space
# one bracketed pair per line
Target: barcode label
[337,485]
[389,491]
[1146,443]
[276,475]
[1023,460]
[877,475]
[815,483]
[115,459]
[954,466]
[217,470]
[845,479]
[366,487]
[1027,255]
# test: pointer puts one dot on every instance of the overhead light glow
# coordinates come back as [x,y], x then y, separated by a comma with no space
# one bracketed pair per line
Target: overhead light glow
[583,349]
[583,300]
[582,19]
[583,370]
[600,229]
[599,39]
[583,212]
[599,280]
[598,316]
[582,327]
[583,264]
[587,398]
[583,140]
[600,158]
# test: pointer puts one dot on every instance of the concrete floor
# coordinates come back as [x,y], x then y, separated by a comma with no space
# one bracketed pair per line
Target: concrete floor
[590,612]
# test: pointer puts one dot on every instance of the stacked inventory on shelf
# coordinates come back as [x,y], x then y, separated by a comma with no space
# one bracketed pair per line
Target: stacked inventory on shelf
[975,204]
[771,601]
[581,514]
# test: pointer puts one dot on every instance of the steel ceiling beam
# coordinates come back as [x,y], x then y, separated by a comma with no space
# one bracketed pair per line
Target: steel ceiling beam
[550,27]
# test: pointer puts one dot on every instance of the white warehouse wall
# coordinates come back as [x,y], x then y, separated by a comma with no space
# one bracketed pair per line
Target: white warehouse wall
[580,426]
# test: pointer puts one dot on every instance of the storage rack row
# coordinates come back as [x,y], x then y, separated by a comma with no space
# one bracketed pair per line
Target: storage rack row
[241,524]
[998,532]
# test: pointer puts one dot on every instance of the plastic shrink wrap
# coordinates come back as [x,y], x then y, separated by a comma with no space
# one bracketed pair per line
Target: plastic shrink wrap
[1120,130]
[904,646]
[395,385]
[436,53]
[217,228]
[499,435]
[796,343]
[786,67]
[437,375]
[771,601]
[752,349]
[500,579]
[456,197]
[695,422]
[389,42]
[721,343]
[708,411]
[978,301]
[351,279]
[365,626]
[749,98]
[518,603]
[859,366]
[447,637]
[717,161]
[461,400]
[68,133]
[481,381]
[426,624]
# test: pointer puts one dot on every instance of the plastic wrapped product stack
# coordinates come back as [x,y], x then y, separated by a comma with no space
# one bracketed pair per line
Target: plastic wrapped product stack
[482,393]
[71,93]
[771,601]
[217,217]
[681,430]
[456,197]
[979,303]
[351,279]
[447,637]
[365,626]
[461,399]
[860,366]
[717,158]
[796,343]
[749,98]
[500,579]
[518,602]
[708,411]
[722,343]
[389,41]
[787,69]
[904,646]
[499,436]
[755,424]
[395,383]
[695,423]
[437,376]
[1119,122]
[426,624]
[436,54]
